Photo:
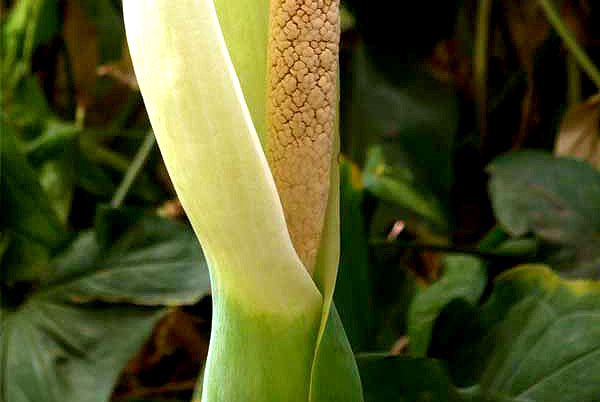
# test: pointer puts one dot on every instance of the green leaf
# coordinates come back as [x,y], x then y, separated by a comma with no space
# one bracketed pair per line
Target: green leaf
[537,339]
[57,177]
[152,262]
[28,107]
[109,24]
[464,278]
[558,200]
[29,24]
[335,375]
[31,221]
[413,128]
[59,352]
[56,152]
[397,184]
[93,178]
[401,379]
[353,288]
[393,379]
[74,333]
[52,142]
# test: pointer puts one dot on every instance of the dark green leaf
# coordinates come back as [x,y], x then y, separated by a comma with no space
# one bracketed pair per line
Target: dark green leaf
[73,334]
[29,24]
[150,262]
[395,379]
[52,142]
[415,124]
[464,277]
[109,23]
[62,352]
[558,200]
[29,216]
[537,339]
[398,185]
[28,107]
[335,376]
[93,179]
[353,288]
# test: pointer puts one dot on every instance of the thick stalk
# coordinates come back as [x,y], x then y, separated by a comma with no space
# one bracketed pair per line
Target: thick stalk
[258,356]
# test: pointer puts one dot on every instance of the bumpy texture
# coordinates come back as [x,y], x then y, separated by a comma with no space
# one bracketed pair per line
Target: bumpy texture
[303,64]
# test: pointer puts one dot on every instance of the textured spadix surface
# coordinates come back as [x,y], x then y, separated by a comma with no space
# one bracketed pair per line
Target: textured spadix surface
[273,338]
[303,67]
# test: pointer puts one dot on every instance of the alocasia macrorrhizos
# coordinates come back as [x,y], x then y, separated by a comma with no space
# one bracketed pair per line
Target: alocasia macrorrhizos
[242,97]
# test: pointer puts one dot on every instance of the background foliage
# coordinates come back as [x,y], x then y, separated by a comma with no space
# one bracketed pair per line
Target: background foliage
[470,190]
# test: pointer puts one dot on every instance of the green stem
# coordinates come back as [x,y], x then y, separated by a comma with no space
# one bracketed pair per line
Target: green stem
[570,41]
[134,170]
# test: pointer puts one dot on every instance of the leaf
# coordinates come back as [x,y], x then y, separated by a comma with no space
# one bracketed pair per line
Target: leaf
[555,198]
[109,27]
[29,24]
[70,353]
[353,288]
[51,143]
[537,339]
[579,133]
[73,334]
[55,150]
[153,262]
[464,278]
[335,375]
[28,107]
[397,185]
[394,379]
[402,379]
[412,126]
[93,178]
[31,219]
[57,179]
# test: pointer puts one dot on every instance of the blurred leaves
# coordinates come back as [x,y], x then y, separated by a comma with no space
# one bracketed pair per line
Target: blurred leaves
[29,24]
[33,228]
[416,117]
[397,184]
[557,199]
[108,23]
